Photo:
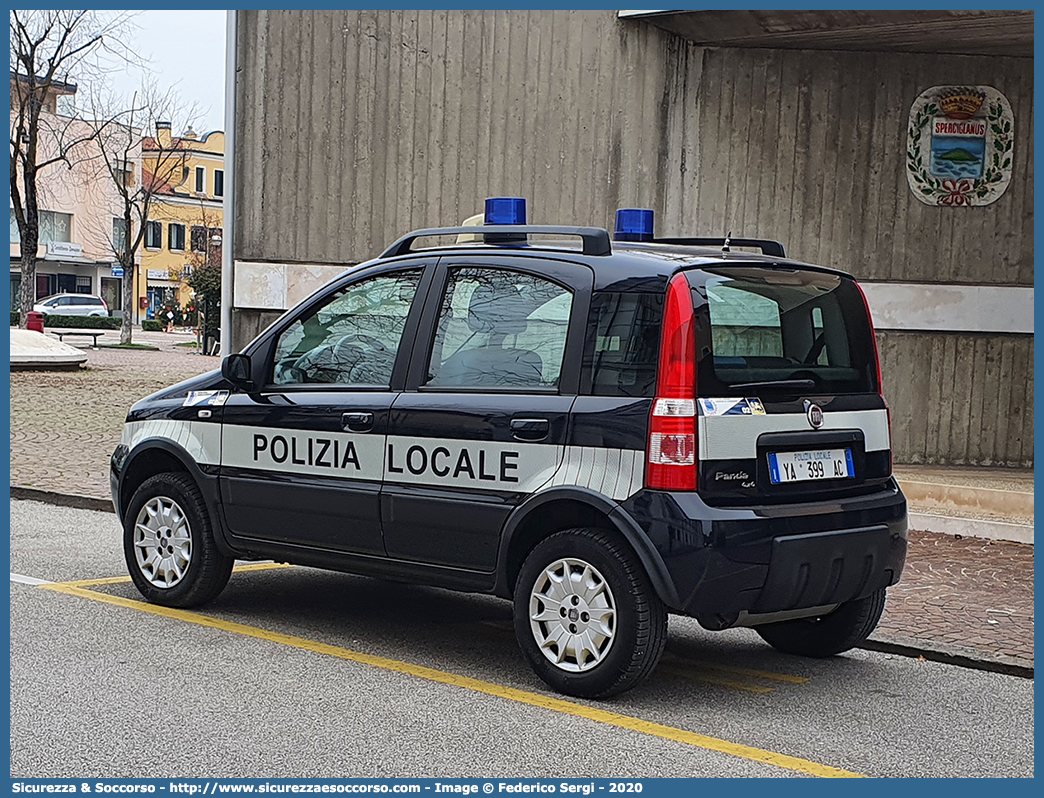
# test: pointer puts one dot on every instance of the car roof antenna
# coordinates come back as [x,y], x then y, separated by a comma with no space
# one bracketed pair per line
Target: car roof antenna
[725,247]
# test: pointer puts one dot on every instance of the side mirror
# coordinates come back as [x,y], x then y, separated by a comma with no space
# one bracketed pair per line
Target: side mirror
[237,370]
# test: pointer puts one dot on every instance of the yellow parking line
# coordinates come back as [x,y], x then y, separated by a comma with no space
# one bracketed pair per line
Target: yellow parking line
[115,580]
[261,566]
[109,580]
[477,685]
[722,667]
[706,678]
[773,677]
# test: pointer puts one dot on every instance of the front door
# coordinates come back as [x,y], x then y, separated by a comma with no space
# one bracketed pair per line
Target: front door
[302,459]
[483,421]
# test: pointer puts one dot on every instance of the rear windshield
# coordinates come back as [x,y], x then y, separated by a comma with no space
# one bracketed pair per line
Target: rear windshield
[765,331]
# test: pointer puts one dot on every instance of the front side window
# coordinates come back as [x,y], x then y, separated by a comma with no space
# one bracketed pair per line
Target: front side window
[153,235]
[500,329]
[219,183]
[201,179]
[353,339]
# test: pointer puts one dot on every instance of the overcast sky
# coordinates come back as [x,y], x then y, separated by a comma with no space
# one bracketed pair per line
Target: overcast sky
[186,51]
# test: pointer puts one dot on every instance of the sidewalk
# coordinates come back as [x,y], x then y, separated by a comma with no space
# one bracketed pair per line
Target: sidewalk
[993,503]
[960,597]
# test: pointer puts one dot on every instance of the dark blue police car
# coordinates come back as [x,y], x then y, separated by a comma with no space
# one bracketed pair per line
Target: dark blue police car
[603,430]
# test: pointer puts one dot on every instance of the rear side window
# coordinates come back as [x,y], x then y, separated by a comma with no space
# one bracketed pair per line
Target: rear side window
[761,329]
[621,349]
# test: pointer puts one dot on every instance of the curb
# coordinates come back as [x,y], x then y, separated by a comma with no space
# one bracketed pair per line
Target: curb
[964,658]
[62,499]
[973,499]
[957,526]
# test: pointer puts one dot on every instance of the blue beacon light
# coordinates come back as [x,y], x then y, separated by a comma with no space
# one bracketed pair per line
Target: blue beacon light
[633,224]
[505,210]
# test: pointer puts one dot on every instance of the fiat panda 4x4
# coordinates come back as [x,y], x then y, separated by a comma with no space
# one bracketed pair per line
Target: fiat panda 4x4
[602,430]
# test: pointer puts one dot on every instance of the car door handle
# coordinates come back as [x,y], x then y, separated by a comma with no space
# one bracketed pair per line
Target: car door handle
[530,429]
[357,421]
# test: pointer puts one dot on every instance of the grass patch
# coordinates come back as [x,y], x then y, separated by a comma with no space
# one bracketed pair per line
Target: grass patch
[193,344]
[145,347]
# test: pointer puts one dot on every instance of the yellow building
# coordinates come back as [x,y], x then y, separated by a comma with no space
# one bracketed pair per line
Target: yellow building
[185,221]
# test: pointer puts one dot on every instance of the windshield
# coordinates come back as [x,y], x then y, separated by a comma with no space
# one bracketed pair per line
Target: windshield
[770,330]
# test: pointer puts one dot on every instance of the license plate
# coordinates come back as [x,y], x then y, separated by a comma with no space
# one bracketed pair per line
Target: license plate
[801,466]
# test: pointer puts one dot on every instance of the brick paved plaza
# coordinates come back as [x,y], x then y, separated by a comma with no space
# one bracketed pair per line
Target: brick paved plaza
[65,424]
[957,595]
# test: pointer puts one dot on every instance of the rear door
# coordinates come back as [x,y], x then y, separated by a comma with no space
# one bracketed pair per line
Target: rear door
[303,458]
[789,403]
[483,421]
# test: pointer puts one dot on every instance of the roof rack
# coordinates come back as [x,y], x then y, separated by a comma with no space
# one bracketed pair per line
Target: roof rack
[773,249]
[595,239]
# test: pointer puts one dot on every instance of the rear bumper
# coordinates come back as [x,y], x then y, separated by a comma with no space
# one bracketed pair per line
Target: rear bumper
[727,560]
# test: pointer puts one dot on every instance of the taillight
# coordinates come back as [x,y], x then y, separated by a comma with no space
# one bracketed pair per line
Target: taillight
[873,337]
[671,451]
[880,381]
[104,305]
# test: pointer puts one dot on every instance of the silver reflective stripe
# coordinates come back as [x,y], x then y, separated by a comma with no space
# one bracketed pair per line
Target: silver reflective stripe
[736,437]
[201,440]
[616,473]
[466,464]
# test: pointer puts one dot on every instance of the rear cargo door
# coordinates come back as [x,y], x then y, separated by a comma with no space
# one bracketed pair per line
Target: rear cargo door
[789,402]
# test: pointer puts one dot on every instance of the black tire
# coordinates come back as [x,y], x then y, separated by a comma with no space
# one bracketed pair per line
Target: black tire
[207,570]
[638,621]
[826,635]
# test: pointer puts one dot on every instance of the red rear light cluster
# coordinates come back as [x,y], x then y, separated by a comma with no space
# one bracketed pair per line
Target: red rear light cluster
[873,337]
[671,451]
[880,381]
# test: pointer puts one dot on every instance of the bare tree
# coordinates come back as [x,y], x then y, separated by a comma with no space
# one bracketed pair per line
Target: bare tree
[127,142]
[49,49]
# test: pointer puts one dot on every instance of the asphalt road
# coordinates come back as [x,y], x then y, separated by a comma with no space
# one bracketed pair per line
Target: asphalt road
[294,672]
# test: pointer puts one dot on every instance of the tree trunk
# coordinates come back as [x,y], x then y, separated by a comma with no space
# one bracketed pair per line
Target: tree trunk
[129,309]
[29,240]
[27,292]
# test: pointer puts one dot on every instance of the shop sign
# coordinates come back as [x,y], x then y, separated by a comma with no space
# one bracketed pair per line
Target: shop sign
[959,146]
[64,249]
[158,274]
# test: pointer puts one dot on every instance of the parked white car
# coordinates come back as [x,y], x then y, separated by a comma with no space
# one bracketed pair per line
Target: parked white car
[72,305]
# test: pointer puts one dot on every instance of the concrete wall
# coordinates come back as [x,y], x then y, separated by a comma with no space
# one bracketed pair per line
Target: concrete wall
[356,126]
[959,399]
[810,147]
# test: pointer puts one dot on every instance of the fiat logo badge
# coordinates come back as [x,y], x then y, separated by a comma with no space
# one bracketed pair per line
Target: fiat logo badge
[814,414]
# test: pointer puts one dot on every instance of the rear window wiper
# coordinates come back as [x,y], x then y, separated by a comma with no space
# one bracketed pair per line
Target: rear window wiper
[777,384]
